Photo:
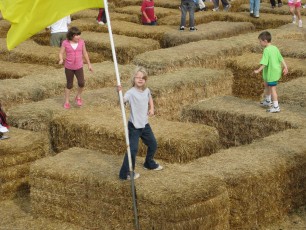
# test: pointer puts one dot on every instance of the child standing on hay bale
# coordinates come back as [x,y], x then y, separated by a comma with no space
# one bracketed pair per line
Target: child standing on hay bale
[101,19]
[75,50]
[148,15]
[141,105]
[190,6]
[272,71]
[295,9]
[254,8]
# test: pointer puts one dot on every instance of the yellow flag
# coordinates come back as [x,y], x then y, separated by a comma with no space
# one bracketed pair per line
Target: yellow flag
[27,17]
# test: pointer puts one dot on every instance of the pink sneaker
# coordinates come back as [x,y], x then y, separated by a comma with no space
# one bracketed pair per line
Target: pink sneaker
[67,106]
[78,101]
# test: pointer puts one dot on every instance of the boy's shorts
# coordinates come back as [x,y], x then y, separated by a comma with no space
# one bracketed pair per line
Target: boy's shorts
[294,4]
[272,83]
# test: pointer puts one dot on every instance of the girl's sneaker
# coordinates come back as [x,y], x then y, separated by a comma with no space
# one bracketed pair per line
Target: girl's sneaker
[78,101]
[300,23]
[67,106]
[294,19]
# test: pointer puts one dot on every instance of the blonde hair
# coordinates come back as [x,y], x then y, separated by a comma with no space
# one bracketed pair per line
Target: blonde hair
[142,70]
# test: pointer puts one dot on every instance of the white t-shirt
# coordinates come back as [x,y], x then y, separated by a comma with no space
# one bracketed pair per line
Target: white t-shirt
[61,25]
[139,104]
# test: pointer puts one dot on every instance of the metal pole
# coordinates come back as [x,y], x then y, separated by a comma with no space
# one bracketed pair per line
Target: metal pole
[123,116]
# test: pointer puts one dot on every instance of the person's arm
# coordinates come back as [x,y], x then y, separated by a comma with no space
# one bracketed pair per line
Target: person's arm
[151,107]
[61,54]
[259,69]
[85,54]
[285,70]
[146,17]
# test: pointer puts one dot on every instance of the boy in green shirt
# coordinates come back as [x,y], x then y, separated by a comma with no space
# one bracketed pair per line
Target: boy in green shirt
[272,71]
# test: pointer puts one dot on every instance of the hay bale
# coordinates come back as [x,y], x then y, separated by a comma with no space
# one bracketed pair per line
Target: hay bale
[172,91]
[16,154]
[247,84]
[265,7]
[20,70]
[205,53]
[239,121]
[126,47]
[265,180]
[100,128]
[30,52]
[216,30]
[4,27]
[76,190]
[41,86]
[36,116]
[288,47]
[293,92]
[124,28]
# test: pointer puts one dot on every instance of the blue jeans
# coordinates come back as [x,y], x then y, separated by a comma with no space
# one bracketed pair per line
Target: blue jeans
[153,23]
[187,5]
[148,139]
[224,3]
[254,7]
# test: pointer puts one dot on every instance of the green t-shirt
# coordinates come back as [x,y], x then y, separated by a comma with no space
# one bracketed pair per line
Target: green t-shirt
[272,60]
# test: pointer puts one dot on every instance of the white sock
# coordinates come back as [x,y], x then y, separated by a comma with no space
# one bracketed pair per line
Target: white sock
[268,97]
[275,104]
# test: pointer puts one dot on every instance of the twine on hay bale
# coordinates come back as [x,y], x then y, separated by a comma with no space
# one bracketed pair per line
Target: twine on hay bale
[16,155]
[238,121]
[80,177]
[174,90]
[99,129]
[216,30]
[19,70]
[247,84]
[126,47]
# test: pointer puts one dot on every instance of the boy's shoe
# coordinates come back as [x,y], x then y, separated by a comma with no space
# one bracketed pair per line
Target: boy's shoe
[294,19]
[300,23]
[78,101]
[266,103]
[192,29]
[256,16]
[273,109]
[182,28]
[136,175]
[226,8]
[280,4]
[67,106]
[157,168]
[215,9]
[251,13]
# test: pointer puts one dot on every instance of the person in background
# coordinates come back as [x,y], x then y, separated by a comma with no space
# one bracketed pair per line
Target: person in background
[59,31]
[271,64]
[254,8]
[141,106]
[187,6]
[273,3]
[295,9]
[148,16]
[225,5]
[101,19]
[75,50]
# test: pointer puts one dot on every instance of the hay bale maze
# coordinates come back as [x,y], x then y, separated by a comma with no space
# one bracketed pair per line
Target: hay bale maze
[228,164]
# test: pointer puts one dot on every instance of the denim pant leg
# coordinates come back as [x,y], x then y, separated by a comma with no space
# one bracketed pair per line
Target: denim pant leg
[256,7]
[184,12]
[149,140]
[272,2]
[252,3]
[224,3]
[134,135]
[216,3]
[191,9]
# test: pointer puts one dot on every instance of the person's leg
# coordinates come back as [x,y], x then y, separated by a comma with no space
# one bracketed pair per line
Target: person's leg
[256,8]
[292,11]
[201,5]
[81,81]
[69,77]
[225,4]
[99,18]
[274,95]
[134,135]
[216,5]
[149,140]
[252,3]
[272,3]
[104,16]
[191,8]
[183,15]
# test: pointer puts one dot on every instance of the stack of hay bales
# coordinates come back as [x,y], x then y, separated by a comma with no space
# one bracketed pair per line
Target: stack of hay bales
[247,84]
[4,27]
[16,155]
[101,128]
[81,186]
[238,121]
[293,92]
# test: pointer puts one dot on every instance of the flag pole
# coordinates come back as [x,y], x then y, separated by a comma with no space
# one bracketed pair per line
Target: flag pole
[133,188]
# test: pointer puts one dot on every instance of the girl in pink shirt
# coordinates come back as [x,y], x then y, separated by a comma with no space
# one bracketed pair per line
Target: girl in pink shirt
[75,50]
[295,9]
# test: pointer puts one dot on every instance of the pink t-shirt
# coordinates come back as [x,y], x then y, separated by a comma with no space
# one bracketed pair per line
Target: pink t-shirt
[148,7]
[74,57]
